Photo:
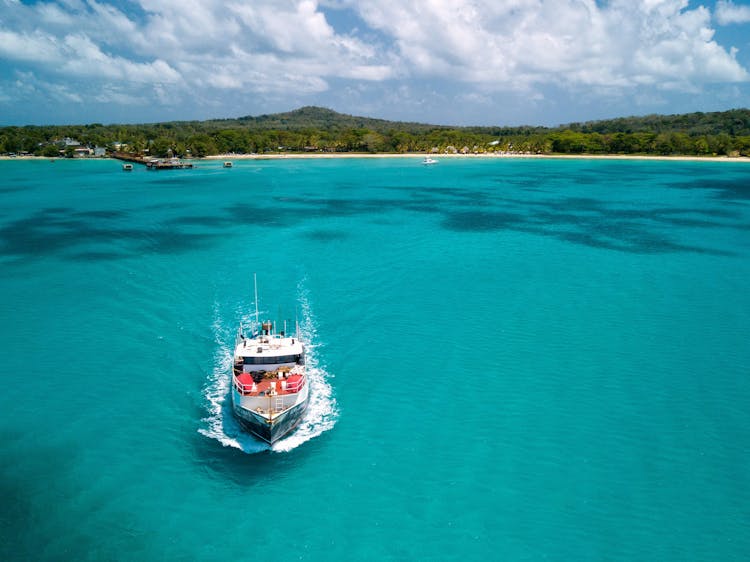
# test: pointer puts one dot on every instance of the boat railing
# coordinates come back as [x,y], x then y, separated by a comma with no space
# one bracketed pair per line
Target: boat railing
[279,386]
[296,385]
[241,387]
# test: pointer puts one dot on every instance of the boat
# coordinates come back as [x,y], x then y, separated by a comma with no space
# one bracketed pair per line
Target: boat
[127,167]
[228,164]
[270,390]
[427,160]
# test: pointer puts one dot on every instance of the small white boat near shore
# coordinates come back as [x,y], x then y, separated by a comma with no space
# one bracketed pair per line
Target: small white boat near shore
[228,164]
[427,161]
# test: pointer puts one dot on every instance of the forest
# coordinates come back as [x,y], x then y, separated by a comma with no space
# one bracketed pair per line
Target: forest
[315,129]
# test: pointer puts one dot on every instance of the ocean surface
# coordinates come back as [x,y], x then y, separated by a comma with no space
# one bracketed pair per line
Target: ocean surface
[511,359]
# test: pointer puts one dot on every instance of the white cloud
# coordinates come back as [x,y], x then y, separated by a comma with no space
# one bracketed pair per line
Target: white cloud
[52,14]
[31,47]
[511,44]
[27,84]
[300,30]
[63,93]
[76,55]
[727,12]
[115,23]
[166,50]
[260,47]
[112,94]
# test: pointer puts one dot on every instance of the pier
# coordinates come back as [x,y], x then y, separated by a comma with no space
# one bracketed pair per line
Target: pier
[153,163]
[171,164]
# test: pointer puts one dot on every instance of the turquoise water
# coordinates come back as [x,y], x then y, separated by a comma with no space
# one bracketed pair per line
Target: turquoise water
[511,359]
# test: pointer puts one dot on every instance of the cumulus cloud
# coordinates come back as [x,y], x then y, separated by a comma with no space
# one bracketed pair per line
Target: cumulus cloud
[727,12]
[160,50]
[513,44]
[27,84]
[31,47]
[75,55]
[264,46]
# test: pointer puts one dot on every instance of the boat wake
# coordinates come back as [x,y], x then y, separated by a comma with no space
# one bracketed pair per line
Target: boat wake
[220,423]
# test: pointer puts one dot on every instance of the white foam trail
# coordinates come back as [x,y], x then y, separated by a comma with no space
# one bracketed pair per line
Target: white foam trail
[322,410]
[221,424]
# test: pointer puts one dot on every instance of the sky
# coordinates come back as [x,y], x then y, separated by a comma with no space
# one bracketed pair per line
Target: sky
[448,62]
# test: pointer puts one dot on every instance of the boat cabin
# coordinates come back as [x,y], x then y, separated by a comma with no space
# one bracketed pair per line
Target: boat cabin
[269,352]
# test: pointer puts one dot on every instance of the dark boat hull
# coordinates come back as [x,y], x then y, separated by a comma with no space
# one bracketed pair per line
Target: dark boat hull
[277,428]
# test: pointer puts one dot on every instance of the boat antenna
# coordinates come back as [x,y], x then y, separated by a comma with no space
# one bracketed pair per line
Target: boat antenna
[257,317]
[296,322]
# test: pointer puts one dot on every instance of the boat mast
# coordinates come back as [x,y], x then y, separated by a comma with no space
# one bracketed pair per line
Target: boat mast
[255,283]
[296,323]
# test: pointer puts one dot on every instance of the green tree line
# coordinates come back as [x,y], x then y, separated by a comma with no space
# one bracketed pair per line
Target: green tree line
[318,129]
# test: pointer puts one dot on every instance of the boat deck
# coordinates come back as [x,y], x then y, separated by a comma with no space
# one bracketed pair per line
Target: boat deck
[270,384]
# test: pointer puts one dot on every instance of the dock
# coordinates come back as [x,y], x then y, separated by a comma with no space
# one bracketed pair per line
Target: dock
[153,163]
[170,164]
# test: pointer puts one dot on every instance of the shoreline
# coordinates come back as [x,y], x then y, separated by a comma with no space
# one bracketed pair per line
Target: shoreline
[416,155]
[488,155]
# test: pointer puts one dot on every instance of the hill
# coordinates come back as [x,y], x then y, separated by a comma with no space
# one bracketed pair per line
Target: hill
[312,117]
[735,122]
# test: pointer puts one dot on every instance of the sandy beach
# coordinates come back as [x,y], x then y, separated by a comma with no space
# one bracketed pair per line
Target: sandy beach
[490,155]
[417,155]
